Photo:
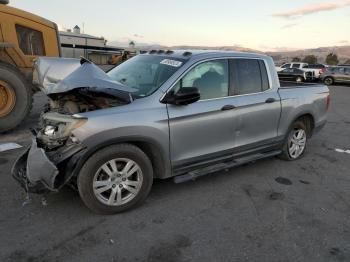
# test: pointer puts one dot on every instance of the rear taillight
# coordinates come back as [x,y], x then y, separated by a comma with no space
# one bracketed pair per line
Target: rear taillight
[328,100]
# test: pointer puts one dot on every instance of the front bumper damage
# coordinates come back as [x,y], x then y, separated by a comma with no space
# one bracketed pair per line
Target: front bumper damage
[38,171]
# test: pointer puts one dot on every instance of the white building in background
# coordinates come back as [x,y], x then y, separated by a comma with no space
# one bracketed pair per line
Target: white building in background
[74,44]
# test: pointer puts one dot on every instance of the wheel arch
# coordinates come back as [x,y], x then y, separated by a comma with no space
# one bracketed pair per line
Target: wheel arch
[160,163]
[309,121]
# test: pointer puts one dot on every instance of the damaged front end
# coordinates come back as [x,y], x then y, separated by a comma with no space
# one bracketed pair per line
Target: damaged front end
[50,162]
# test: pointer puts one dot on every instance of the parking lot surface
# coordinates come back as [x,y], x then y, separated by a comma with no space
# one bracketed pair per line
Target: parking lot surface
[270,210]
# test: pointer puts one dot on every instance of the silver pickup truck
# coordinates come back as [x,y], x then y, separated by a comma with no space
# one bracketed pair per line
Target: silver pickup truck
[162,114]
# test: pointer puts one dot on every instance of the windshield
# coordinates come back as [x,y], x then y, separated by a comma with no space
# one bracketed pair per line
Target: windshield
[146,73]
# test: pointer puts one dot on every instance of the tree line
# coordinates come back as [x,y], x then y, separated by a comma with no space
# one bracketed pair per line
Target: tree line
[331,59]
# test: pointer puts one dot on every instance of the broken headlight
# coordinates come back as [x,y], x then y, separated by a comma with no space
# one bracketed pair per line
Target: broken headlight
[58,126]
[50,130]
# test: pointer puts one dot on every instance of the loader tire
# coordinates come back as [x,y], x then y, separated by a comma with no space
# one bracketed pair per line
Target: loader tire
[16,97]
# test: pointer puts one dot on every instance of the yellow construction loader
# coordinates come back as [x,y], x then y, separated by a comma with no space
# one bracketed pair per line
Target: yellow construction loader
[23,37]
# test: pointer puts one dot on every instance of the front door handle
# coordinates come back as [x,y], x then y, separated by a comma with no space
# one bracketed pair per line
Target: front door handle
[270,100]
[228,107]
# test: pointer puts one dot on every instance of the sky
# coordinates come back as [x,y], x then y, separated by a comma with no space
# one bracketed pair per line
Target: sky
[266,25]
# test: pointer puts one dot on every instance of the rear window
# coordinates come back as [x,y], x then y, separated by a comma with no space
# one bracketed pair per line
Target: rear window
[248,76]
[30,41]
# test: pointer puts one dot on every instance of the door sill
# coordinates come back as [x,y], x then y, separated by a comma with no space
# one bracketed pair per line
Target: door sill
[193,175]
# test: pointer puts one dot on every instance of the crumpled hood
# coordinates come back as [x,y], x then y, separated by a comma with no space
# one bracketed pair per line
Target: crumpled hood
[60,75]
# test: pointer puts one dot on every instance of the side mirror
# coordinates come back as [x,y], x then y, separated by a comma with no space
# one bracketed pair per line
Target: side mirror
[185,96]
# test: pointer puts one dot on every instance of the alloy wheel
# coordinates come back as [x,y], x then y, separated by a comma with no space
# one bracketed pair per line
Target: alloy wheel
[297,143]
[117,181]
[328,81]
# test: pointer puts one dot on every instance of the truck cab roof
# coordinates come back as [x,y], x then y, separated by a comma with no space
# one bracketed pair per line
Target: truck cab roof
[204,54]
[17,12]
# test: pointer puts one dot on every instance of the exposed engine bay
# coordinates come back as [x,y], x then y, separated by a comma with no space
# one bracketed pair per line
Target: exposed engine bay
[73,87]
[81,100]
[58,120]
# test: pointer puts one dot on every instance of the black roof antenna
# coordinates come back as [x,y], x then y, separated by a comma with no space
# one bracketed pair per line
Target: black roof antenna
[187,53]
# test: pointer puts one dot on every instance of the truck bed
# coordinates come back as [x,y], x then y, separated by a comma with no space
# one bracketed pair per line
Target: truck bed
[299,99]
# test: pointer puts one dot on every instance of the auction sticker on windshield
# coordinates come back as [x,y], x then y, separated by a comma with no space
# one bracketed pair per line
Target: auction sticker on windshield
[170,62]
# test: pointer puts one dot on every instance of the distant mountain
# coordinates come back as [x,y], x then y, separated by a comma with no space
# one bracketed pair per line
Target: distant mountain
[155,46]
[279,57]
[190,47]
[343,53]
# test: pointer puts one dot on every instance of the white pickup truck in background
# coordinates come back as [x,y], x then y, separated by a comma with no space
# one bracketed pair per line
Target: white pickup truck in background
[315,69]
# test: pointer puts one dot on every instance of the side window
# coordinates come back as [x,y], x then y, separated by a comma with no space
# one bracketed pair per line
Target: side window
[296,65]
[211,79]
[30,41]
[341,70]
[286,66]
[248,76]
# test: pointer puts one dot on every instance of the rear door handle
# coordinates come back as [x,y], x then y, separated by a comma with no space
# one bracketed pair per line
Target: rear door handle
[228,107]
[270,100]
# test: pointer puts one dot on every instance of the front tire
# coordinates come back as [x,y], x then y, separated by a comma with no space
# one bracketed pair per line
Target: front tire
[295,143]
[115,179]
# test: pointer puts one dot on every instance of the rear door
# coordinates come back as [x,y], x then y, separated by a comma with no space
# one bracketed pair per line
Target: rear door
[259,108]
[203,131]
[339,74]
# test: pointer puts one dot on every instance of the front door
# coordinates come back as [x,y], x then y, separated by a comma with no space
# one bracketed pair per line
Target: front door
[203,131]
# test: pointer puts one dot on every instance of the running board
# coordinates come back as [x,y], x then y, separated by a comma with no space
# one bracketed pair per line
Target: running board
[193,175]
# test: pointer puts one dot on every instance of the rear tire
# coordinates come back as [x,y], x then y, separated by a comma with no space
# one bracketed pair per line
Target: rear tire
[328,81]
[295,143]
[109,192]
[15,97]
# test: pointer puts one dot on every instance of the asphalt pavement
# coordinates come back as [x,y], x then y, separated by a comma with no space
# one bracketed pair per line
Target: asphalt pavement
[270,210]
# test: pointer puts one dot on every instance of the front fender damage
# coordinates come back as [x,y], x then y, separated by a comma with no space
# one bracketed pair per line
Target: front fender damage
[37,171]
